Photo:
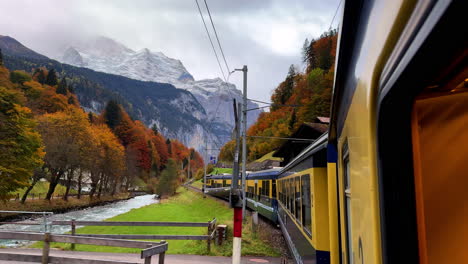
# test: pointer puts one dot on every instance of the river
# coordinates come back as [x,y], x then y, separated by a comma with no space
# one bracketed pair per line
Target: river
[97,213]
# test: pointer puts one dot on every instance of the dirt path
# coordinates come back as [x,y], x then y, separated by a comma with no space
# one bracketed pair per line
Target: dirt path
[170,259]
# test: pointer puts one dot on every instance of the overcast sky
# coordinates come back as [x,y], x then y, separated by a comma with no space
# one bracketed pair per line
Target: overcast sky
[266,35]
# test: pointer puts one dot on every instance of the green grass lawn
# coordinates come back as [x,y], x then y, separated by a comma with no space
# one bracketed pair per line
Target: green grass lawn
[186,206]
[221,170]
[198,183]
[42,188]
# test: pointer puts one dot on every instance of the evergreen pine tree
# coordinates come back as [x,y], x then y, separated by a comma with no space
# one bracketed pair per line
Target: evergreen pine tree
[1,58]
[155,129]
[71,100]
[51,78]
[41,78]
[311,56]
[113,114]
[292,121]
[91,117]
[305,49]
[62,87]
[169,147]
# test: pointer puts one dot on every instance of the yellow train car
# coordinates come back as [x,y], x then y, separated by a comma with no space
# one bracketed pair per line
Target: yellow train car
[303,204]
[398,134]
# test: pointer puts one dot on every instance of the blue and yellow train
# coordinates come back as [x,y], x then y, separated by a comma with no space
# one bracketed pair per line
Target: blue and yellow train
[387,183]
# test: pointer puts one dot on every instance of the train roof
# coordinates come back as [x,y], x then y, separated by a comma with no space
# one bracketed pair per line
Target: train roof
[219,176]
[319,144]
[264,174]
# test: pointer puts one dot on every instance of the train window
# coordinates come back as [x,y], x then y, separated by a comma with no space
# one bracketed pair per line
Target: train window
[273,188]
[291,196]
[297,200]
[286,191]
[347,195]
[440,151]
[306,204]
[224,183]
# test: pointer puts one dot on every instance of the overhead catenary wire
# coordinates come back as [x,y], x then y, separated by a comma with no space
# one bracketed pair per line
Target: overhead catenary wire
[336,12]
[217,38]
[211,41]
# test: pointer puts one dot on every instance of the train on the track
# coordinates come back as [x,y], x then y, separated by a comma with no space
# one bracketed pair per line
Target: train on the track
[387,183]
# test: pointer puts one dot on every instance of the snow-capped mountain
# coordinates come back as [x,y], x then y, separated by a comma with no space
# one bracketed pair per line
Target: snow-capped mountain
[106,55]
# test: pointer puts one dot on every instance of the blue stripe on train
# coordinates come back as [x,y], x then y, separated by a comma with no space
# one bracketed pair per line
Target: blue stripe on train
[323,257]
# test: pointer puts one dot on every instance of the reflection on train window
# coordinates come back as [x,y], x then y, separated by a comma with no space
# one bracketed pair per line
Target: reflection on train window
[297,199]
[306,205]
[273,189]
[291,196]
[347,193]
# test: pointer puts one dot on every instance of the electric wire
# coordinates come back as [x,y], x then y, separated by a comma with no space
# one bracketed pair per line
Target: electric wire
[211,41]
[336,12]
[217,38]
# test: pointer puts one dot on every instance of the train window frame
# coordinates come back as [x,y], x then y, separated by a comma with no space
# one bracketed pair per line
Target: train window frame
[347,205]
[292,195]
[297,199]
[306,223]
[273,189]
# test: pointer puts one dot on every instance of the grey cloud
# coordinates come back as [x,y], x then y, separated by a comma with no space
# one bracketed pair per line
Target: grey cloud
[252,32]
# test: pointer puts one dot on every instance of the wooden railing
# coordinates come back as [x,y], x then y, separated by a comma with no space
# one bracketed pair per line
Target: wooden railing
[209,237]
[149,249]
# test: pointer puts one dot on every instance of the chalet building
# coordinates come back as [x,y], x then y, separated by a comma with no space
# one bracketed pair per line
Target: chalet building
[291,148]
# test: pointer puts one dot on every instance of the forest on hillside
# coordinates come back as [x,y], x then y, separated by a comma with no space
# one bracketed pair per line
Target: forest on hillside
[301,97]
[45,134]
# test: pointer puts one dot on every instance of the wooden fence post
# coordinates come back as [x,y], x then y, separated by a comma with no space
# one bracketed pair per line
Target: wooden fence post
[46,249]
[162,254]
[208,241]
[148,259]
[73,232]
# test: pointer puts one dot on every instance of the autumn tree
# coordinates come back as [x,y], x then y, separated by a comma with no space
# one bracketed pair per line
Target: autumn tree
[19,77]
[20,145]
[65,134]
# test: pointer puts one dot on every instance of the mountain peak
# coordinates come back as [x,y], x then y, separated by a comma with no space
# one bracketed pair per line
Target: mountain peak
[107,55]
[11,46]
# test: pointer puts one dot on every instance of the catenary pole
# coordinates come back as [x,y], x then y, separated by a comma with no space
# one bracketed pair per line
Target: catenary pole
[239,206]
[204,174]
[244,140]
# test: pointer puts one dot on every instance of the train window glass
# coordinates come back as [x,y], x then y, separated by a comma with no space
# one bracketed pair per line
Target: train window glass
[347,195]
[273,188]
[306,204]
[297,200]
[291,196]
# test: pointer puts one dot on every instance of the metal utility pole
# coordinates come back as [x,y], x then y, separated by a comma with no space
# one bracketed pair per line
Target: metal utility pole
[238,196]
[244,139]
[235,174]
[204,174]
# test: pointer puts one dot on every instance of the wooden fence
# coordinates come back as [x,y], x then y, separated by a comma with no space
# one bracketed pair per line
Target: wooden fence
[149,249]
[209,237]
